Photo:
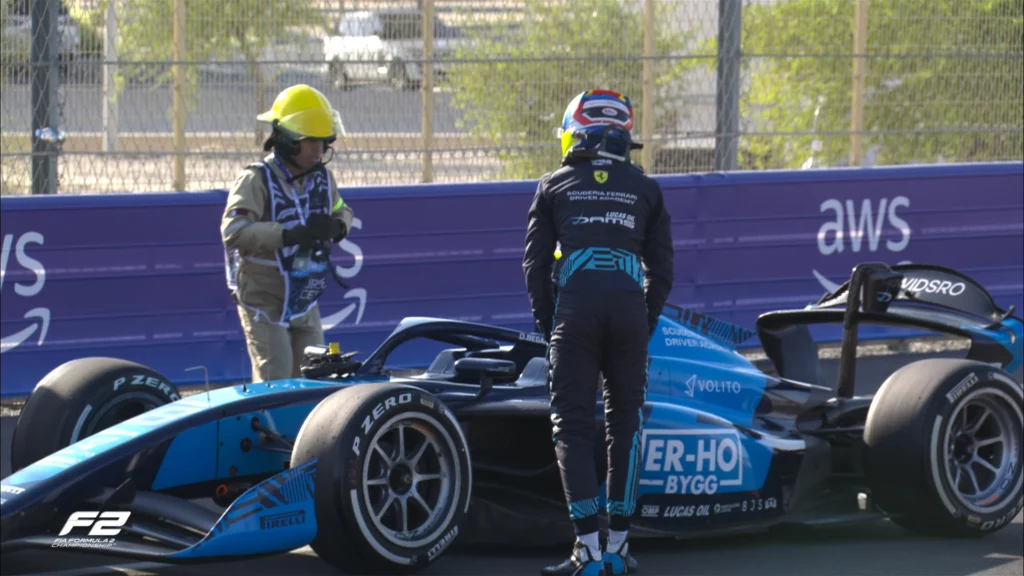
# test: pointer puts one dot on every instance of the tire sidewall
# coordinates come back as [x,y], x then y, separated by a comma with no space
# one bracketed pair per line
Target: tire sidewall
[353,446]
[63,406]
[104,393]
[948,397]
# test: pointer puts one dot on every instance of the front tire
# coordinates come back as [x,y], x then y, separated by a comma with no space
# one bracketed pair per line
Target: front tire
[80,398]
[943,440]
[393,478]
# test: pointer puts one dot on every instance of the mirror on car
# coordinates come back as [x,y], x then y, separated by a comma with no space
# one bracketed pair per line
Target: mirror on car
[485,368]
[880,289]
[485,371]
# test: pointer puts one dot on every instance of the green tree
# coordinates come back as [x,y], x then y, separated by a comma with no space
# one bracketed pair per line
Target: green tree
[943,80]
[513,83]
[214,30]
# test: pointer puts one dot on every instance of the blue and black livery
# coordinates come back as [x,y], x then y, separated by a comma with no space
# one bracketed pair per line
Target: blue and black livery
[725,447]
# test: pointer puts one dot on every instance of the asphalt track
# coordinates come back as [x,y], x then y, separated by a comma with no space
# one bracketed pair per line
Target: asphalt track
[867,549]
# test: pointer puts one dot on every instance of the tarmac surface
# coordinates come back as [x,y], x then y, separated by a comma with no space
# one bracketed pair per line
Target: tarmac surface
[866,549]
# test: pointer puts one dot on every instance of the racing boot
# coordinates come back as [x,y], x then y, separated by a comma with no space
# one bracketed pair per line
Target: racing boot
[618,560]
[580,563]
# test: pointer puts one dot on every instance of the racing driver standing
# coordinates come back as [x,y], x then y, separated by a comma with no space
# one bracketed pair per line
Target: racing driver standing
[598,305]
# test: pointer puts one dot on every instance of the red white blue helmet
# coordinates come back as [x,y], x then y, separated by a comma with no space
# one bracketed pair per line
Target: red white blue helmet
[598,123]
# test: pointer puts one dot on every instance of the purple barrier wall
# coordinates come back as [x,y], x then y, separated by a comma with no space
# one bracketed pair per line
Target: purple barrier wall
[141,276]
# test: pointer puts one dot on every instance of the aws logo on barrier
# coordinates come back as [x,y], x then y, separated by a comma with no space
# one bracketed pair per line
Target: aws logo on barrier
[40,316]
[861,231]
[358,295]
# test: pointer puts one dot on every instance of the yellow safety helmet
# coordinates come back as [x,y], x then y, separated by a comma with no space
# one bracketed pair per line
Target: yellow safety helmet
[303,112]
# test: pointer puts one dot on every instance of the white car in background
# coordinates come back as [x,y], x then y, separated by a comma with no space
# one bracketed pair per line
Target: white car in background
[385,47]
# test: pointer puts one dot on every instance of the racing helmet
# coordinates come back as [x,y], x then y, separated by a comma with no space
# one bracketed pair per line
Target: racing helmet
[598,123]
[300,112]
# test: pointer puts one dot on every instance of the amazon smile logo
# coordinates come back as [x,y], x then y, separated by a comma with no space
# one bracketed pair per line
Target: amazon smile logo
[357,295]
[38,317]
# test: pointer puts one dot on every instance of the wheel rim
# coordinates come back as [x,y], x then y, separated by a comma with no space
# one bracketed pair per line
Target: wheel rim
[410,480]
[981,454]
[122,408]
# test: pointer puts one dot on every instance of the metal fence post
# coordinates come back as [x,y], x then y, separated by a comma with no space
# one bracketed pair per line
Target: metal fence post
[647,115]
[727,97]
[109,71]
[179,95]
[44,95]
[427,90]
[860,40]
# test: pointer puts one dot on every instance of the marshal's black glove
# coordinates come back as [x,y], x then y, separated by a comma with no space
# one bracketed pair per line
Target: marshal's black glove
[326,228]
[300,235]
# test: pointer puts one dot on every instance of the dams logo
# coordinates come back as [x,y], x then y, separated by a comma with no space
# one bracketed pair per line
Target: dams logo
[601,176]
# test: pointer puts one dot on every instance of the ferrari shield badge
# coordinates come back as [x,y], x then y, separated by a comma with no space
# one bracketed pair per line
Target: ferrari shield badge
[601,176]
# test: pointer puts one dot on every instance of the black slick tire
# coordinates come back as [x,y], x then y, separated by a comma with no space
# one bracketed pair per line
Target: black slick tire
[82,397]
[931,438]
[347,434]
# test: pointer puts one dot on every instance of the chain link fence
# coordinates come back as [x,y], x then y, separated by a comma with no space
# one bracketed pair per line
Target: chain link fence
[155,95]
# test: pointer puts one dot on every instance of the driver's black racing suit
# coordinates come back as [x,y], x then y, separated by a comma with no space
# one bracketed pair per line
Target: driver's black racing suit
[598,310]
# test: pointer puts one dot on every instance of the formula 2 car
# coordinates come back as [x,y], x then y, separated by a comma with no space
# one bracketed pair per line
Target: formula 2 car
[381,472]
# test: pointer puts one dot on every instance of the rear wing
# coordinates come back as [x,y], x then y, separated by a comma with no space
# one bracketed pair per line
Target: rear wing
[907,294]
[931,285]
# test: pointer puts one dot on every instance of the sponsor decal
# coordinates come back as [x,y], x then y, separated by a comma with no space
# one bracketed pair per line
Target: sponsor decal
[962,387]
[687,511]
[650,510]
[40,316]
[282,520]
[692,461]
[861,230]
[696,385]
[926,286]
[602,196]
[358,295]
[714,328]
[692,343]
[617,218]
[445,541]
[379,410]
[150,381]
[601,176]
[100,525]
[8,489]
[1002,520]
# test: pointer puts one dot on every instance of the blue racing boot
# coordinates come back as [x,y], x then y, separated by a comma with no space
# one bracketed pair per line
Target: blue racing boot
[618,561]
[581,563]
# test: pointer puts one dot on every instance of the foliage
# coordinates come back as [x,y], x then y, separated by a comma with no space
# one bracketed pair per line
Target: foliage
[214,30]
[943,80]
[513,83]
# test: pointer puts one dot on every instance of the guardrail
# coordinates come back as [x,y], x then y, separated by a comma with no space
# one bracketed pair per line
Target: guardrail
[141,276]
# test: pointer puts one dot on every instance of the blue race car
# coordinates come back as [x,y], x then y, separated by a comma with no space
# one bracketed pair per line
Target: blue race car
[381,472]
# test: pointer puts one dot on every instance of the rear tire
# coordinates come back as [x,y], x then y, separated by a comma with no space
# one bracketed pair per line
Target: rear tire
[943,447]
[81,397]
[356,435]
